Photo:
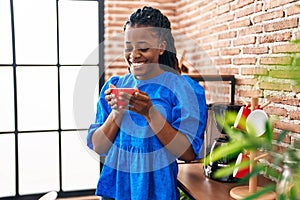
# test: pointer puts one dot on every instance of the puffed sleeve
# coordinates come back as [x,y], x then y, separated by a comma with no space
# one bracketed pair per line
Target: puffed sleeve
[103,110]
[189,114]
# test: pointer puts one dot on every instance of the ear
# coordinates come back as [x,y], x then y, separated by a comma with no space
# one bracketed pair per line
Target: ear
[162,47]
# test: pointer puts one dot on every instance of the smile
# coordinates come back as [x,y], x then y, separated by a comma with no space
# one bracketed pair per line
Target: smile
[137,64]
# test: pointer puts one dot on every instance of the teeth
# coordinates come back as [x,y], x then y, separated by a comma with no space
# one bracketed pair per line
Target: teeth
[137,64]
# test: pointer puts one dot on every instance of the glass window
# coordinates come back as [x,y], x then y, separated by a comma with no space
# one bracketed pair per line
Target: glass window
[79,94]
[78,31]
[8,165]
[36,34]
[37,98]
[79,167]
[5,36]
[39,162]
[55,93]
[6,99]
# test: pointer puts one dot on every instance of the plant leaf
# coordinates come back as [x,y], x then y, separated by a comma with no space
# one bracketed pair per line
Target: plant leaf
[230,148]
[281,136]
[269,134]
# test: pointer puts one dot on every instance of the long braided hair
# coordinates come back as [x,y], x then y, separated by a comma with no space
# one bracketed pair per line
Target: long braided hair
[148,16]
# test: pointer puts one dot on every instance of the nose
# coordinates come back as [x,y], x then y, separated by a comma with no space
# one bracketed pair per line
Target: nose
[135,53]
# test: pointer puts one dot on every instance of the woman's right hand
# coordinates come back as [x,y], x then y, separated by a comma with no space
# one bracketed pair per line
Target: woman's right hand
[105,135]
[112,99]
[117,112]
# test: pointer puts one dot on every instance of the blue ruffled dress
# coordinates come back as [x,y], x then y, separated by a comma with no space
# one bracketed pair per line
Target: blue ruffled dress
[137,166]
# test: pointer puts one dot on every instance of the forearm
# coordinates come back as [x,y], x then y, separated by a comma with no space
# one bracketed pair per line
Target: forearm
[104,136]
[176,142]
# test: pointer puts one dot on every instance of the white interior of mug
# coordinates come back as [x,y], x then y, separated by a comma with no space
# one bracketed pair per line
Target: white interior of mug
[256,121]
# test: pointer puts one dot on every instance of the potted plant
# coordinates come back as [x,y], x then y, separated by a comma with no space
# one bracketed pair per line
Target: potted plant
[247,142]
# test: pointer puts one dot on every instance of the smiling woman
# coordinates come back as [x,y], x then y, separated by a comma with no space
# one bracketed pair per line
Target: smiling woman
[159,123]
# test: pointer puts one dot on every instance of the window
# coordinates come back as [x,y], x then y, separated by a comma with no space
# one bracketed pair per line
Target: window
[50,66]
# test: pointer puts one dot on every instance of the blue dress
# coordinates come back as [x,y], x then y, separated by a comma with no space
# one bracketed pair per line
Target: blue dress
[137,166]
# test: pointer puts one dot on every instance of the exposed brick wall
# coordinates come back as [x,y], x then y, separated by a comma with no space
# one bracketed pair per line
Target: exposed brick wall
[246,38]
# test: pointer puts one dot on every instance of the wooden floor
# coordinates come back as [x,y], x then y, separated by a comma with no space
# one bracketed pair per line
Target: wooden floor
[81,198]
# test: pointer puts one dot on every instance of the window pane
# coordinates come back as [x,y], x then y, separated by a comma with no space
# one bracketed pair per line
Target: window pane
[35,25]
[80,169]
[7,165]
[78,31]
[79,94]
[37,98]
[6,99]
[39,162]
[5,36]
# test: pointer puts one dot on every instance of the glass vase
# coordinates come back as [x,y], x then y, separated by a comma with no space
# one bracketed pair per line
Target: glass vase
[288,186]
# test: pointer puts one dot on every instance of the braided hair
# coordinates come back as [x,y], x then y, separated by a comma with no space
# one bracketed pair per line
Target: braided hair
[148,16]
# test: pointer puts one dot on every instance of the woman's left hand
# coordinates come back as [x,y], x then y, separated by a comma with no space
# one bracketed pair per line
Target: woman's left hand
[139,102]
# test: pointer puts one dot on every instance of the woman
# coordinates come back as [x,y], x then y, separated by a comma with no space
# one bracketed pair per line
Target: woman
[164,121]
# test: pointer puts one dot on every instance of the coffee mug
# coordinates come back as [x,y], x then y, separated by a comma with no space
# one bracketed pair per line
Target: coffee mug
[116,92]
[240,121]
[241,172]
[256,122]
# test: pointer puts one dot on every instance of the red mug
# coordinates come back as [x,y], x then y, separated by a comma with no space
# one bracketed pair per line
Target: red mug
[241,172]
[240,121]
[116,92]
[257,107]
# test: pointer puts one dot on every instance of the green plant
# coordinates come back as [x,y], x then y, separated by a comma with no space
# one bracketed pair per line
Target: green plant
[241,141]
[183,196]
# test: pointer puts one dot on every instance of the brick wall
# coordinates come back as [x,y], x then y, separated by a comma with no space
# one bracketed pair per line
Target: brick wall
[245,38]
